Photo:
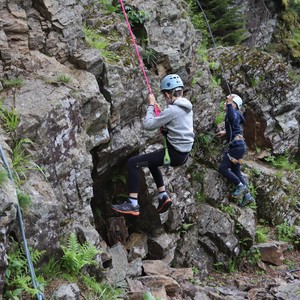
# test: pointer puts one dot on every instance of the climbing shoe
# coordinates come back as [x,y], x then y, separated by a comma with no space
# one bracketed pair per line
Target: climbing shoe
[248,199]
[240,191]
[163,204]
[127,208]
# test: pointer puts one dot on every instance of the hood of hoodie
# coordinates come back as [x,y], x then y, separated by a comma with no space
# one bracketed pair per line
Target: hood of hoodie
[184,104]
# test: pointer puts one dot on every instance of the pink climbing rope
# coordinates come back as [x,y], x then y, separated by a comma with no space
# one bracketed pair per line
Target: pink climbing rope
[136,48]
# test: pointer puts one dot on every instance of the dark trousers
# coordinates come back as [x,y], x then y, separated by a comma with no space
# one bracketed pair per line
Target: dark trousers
[230,170]
[153,161]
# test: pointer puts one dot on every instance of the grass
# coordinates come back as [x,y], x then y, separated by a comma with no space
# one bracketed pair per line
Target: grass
[64,78]
[13,82]
[95,40]
[9,118]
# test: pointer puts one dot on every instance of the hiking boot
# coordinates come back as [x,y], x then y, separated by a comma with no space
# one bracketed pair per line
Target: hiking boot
[127,208]
[163,204]
[248,199]
[240,191]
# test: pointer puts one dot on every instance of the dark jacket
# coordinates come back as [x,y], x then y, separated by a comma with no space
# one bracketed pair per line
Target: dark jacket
[233,122]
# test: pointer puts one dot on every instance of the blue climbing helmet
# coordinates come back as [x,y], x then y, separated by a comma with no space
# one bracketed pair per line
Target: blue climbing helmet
[171,82]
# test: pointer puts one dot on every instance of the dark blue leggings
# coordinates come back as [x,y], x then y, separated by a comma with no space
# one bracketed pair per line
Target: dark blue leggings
[153,161]
[230,170]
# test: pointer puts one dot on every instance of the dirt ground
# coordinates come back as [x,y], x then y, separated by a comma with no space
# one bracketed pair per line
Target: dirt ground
[259,275]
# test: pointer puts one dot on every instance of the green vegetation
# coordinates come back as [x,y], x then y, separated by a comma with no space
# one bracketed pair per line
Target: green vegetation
[22,161]
[149,58]
[285,232]
[261,234]
[24,199]
[99,42]
[205,142]
[228,209]
[221,114]
[9,118]
[17,279]
[288,30]
[71,267]
[226,22]
[136,17]
[109,7]
[12,83]
[149,296]
[76,256]
[282,162]
[253,256]
[3,176]
[64,78]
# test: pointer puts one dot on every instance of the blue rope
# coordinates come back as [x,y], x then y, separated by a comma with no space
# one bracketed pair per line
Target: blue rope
[39,296]
[215,46]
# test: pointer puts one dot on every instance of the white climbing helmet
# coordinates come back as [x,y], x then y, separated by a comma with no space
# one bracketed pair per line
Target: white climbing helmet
[170,82]
[237,100]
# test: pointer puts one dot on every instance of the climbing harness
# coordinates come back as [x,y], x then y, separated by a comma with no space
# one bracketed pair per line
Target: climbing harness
[234,160]
[135,47]
[39,295]
[215,46]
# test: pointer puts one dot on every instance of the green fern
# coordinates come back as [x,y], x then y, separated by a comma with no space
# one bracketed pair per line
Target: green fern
[17,279]
[77,256]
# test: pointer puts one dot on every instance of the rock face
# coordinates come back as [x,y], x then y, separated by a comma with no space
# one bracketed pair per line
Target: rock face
[82,110]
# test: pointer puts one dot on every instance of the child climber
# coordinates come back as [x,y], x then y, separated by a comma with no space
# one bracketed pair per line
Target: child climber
[176,122]
[231,162]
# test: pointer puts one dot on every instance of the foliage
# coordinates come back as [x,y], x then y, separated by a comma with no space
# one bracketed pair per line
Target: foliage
[22,162]
[97,41]
[150,57]
[227,209]
[64,78]
[52,269]
[9,119]
[24,199]
[205,142]
[285,232]
[261,234]
[102,290]
[3,176]
[17,279]
[77,256]
[288,30]
[221,114]
[109,7]
[149,296]
[135,17]
[225,20]
[282,162]
[253,256]
[21,159]
[230,268]
[11,83]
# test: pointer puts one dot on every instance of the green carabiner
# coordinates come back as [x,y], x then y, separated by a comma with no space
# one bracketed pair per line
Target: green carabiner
[167,159]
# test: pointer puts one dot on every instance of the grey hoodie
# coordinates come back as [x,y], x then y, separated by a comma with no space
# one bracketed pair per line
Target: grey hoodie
[177,118]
